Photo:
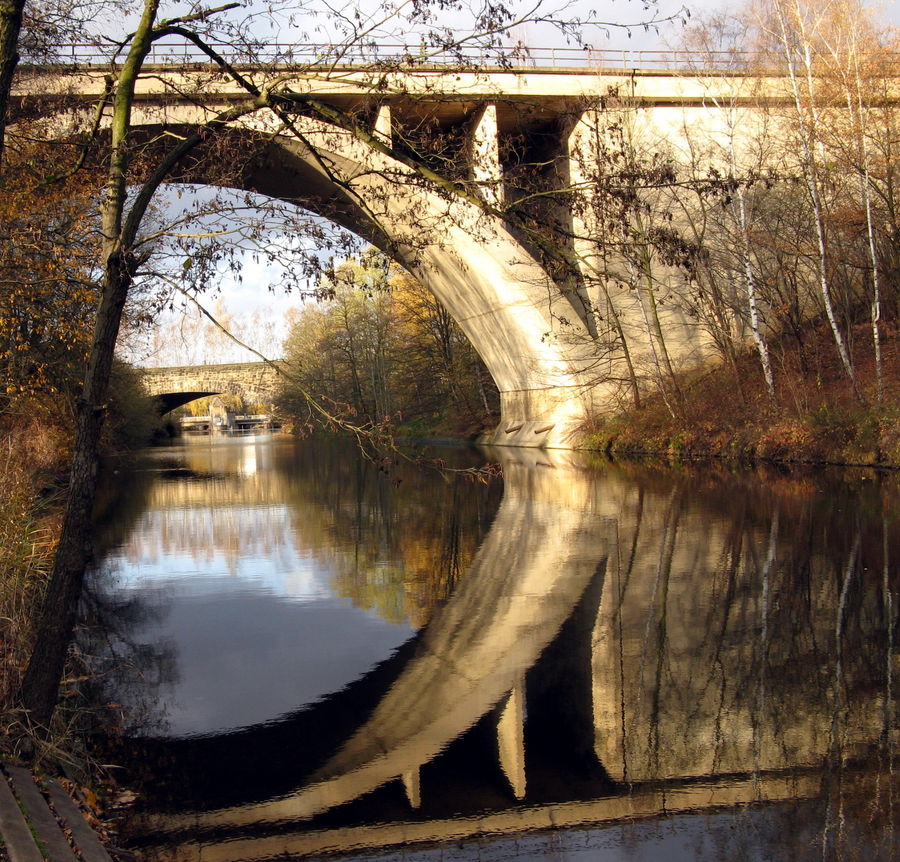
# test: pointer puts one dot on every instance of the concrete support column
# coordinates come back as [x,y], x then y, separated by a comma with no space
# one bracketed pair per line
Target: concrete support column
[581,152]
[382,126]
[606,678]
[412,785]
[485,155]
[614,308]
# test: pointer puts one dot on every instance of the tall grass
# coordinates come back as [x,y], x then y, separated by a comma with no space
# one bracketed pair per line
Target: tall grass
[27,541]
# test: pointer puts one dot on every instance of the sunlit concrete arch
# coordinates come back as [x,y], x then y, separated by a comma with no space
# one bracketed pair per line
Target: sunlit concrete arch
[535,346]
[556,351]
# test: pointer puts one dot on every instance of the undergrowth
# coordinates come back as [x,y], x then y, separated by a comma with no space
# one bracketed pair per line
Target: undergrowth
[31,461]
[725,412]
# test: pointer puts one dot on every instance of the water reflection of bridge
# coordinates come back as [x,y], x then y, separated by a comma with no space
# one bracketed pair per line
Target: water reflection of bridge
[650,643]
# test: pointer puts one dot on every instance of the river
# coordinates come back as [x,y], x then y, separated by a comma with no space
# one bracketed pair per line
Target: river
[317,653]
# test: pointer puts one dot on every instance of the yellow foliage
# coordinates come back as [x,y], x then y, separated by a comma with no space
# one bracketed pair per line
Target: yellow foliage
[48,247]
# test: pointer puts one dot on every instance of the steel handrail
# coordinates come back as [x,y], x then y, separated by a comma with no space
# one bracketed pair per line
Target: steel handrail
[413,56]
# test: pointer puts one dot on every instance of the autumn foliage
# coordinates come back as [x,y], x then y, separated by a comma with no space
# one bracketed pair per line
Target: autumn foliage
[48,236]
[378,348]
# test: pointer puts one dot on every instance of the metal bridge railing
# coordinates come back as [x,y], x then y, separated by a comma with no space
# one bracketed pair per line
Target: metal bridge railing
[420,56]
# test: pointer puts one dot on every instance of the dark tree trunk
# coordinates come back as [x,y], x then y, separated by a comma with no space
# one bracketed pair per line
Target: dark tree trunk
[10,26]
[40,686]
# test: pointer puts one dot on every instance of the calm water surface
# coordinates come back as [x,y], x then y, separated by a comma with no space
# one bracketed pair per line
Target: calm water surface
[317,654]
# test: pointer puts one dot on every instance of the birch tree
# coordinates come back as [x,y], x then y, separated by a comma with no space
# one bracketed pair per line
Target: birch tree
[795,41]
[855,74]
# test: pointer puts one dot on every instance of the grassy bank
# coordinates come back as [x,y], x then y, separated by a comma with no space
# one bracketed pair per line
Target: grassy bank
[725,411]
[35,447]
[33,457]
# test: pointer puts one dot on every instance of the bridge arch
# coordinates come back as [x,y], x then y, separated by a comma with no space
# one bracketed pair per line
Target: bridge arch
[256,382]
[523,327]
[559,352]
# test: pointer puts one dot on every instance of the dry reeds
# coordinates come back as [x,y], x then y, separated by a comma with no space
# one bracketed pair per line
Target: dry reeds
[27,541]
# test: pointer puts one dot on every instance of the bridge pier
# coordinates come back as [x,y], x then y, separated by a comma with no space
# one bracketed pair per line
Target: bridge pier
[484,155]
[542,418]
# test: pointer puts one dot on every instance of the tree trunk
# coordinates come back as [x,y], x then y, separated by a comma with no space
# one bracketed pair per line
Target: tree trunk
[10,26]
[762,348]
[865,181]
[40,685]
[626,350]
[808,125]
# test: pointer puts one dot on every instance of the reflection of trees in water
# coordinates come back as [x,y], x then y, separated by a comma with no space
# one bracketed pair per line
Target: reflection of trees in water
[321,500]
[396,538]
[125,669]
[746,628]
[201,514]
[740,633]
[204,533]
[741,627]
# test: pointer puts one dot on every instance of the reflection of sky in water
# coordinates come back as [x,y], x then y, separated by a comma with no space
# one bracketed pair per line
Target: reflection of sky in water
[198,546]
[251,618]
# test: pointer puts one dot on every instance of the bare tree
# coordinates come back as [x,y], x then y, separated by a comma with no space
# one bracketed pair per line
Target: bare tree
[794,40]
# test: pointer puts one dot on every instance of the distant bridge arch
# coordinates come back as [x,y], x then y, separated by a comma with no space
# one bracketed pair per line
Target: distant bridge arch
[255,382]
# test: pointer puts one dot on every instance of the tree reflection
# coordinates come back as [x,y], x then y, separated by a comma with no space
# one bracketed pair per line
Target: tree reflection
[125,669]
[398,539]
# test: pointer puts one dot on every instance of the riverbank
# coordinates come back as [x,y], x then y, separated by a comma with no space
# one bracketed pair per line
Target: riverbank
[33,454]
[726,412]
[35,449]
[29,528]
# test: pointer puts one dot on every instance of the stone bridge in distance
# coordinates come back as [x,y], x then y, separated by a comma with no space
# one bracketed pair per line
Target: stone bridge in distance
[255,382]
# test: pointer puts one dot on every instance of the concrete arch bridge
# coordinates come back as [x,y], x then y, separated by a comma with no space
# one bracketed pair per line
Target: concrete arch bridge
[255,382]
[478,182]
